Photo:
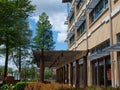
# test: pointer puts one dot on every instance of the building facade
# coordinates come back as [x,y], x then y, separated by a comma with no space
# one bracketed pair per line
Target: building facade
[94,26]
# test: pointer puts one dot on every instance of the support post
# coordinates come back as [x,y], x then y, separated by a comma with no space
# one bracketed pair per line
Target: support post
[71,73]
[42,66]
[77,74]
[85,70]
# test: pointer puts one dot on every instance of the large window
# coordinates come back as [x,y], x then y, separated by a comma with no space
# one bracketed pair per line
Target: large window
[81,29]
[101,71]
[79,3]
[100,47]
[98,10]
[81,74]
[71,20]
[72,39]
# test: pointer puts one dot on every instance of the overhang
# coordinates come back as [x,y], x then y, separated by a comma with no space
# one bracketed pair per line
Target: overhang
[79,22]
[58,58]
[66,1]
[91,5]
[105,52]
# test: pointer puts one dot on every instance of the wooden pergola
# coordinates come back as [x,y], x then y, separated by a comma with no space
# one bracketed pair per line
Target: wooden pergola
[60,59]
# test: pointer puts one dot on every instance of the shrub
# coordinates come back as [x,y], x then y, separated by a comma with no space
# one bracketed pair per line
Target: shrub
[7,87]
[20,85]
[52,86]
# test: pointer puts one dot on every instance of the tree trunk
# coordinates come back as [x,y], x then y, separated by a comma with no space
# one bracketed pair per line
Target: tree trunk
[42,66]
[20,62]
[6,62]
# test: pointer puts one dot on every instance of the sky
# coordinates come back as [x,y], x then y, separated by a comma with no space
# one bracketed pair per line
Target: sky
[57,12]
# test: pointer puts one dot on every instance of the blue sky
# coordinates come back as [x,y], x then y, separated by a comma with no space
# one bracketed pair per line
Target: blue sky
[57,12]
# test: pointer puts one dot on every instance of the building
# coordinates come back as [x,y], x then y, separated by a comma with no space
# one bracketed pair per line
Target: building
[94,26]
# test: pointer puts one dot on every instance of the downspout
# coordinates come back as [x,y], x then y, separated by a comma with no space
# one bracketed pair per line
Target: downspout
[111,43]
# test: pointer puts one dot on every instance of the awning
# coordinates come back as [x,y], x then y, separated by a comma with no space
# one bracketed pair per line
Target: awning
[70,13]
[115,47]
[65,1]
[105,52]
[58,58]
[91,5]
[79,22]
[70,34]
[77,2]
[98,55]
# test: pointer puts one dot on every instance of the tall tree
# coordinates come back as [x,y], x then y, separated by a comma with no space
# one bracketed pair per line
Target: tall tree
[12,13]
[43,39]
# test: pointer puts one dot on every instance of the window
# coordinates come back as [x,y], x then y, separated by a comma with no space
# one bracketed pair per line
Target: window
[118,37]
[100,47]
[72,18]
[81,29]
[72,39]
[79,3]
[98,10]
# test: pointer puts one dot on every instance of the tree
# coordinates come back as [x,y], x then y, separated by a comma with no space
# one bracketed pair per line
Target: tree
[43,39]
[13,12]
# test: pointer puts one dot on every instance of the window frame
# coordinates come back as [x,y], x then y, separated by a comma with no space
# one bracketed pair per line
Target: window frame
[94,14]
[81,29]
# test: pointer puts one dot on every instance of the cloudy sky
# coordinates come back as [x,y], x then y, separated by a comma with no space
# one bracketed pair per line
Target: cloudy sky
[57,12]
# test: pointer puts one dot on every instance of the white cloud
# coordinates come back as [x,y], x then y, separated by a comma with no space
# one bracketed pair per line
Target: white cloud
[57,13]
[61,37]
[35,18]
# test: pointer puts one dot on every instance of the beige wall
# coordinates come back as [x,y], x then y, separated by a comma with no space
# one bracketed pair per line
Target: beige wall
[98,32]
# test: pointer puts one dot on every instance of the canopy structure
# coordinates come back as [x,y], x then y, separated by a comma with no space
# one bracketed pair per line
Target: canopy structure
[65,1]
[58,58]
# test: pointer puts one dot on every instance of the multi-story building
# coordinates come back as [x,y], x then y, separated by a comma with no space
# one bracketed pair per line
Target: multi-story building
[94,25]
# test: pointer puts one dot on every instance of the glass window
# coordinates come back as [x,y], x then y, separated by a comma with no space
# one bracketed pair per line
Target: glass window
[118,37]
[79,3]
[72,18]
[98,10]
[100,47]
[81,74]
[81,29]
[72,39]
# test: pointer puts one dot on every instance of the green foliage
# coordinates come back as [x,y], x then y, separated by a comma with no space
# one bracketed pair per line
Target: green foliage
[7,87]
[20,85]
[14,26]
[44,35]
[49,74]
[2,70]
